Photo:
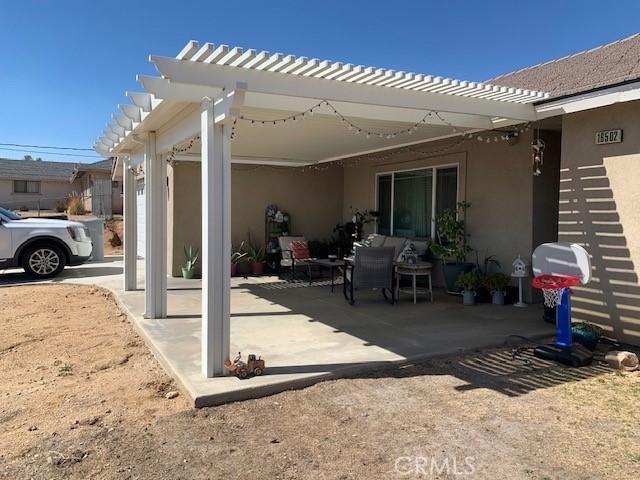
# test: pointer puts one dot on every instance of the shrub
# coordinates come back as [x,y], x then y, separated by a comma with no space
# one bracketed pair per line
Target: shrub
[497,281]
[75,206]
[469,281]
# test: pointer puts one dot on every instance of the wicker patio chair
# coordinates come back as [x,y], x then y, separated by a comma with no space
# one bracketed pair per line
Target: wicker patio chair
[372,268]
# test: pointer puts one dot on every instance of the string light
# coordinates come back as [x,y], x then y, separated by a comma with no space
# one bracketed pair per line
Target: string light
[499,135]
[351,126]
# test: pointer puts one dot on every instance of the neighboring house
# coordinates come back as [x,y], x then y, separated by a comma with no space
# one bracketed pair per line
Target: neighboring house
[102,195]
[33,185]
[406,145]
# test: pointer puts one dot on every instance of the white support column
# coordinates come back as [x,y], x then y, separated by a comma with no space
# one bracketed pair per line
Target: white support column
[155,171]
[130,229]
[216,240]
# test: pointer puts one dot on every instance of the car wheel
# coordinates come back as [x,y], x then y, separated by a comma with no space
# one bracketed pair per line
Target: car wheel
[43,261]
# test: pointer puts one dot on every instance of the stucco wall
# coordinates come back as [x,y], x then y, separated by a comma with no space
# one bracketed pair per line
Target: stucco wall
[496,178]
[599,202]
[50,194]
[313,200]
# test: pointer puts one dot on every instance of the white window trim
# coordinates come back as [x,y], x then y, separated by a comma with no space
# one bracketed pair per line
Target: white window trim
[434,171]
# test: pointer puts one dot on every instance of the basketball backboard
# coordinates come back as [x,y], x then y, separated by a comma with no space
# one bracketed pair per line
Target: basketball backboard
[567,259]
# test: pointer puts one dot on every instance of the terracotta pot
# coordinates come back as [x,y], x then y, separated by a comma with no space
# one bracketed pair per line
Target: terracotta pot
[257,268]
[234,269]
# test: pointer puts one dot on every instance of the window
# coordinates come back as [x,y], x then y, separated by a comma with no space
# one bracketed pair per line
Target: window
[25,186]
[409,201]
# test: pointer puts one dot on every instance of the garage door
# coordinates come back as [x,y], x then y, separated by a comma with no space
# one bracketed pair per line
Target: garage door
[141,218]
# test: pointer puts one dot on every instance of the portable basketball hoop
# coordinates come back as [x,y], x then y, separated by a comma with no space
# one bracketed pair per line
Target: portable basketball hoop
[558,267]
[553,286]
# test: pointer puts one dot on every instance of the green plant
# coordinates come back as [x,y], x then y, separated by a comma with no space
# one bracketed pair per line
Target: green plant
[497,281]
[488,261]
[469,281]
[238,254]
[191,255]
[254,253]
[452,237]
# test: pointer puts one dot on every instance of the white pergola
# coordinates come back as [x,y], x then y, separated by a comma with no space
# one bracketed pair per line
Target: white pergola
[218,92]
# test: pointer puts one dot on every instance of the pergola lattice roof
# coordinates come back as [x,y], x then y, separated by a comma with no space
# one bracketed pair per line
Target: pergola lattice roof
[419,89]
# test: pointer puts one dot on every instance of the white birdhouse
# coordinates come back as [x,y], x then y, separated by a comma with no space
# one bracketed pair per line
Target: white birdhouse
[520,268]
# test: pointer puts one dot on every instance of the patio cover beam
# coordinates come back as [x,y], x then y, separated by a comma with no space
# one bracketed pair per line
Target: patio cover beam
[214,75]
[130,228]
[216,236]
[167,90]
[155,290]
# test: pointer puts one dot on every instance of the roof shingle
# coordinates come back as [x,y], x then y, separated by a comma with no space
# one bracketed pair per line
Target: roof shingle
[41,170]
[602,66]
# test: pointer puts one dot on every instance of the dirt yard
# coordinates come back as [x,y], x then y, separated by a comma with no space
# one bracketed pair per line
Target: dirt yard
[83,398]
[113,236]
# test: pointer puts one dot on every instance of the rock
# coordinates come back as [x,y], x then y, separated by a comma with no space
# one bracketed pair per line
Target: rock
[32,428]
[622,360]
[172,394]
[90,420]
[275,440]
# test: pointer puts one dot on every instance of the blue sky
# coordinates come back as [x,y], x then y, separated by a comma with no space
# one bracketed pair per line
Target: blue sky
[66,64]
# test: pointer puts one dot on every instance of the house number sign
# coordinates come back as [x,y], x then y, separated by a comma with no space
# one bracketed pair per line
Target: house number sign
[609,136]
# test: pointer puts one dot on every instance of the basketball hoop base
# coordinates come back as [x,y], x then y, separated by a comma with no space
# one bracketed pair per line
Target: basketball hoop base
[574,356]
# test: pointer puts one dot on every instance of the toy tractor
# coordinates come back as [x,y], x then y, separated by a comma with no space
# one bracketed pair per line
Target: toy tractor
[253,366]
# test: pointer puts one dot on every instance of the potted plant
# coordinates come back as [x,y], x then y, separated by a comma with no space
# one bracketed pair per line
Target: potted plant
[489,266]
[256,256]
[237,254]
[191,255]
[497,283]
[468,282]
[452,246]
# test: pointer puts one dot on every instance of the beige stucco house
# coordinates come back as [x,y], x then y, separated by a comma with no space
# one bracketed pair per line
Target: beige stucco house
[41,185]
[240,130]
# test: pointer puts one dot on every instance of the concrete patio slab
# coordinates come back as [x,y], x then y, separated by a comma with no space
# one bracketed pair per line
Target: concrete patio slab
[304,333]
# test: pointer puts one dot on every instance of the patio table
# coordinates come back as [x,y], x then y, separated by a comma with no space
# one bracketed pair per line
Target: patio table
[331,265]
[414,270]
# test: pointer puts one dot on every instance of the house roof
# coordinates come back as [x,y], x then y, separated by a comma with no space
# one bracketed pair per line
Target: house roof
[603,66]
[41,170]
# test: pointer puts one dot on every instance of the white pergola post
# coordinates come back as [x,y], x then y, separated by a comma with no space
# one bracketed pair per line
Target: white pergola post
[155,291]
[130,229]
[216,240]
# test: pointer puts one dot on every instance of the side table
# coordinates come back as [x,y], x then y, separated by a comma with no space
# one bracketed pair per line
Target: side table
[414,270]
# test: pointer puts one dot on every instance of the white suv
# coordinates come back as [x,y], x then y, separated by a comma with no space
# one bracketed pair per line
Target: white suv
[41,246]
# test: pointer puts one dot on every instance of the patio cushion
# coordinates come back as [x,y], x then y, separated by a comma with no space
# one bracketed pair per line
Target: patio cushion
[300,249]
[284,243]
[397,243]
[375,240]
[421,246]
